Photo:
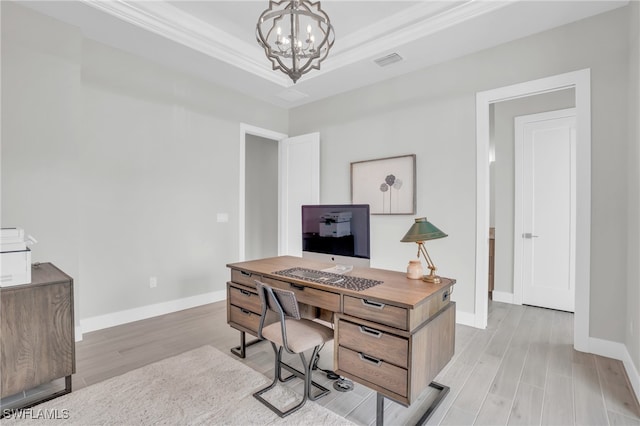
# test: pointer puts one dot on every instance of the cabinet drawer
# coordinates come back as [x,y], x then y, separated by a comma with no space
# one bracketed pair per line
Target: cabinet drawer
[373,370]
[244,298]
[308,295]
[245,318]
[376,312]
[247,278]
[384,346]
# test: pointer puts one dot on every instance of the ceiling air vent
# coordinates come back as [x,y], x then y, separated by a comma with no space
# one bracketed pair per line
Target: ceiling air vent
[388,60]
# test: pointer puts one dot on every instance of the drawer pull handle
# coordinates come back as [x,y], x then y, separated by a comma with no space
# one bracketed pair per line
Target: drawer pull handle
[246,274]
[370,332]
[369,359]
[372,304]
[297,287]
[445,296]
[245,292]
[244,311]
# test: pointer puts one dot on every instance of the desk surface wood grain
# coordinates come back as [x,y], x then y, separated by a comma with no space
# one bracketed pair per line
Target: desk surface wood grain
[396,288]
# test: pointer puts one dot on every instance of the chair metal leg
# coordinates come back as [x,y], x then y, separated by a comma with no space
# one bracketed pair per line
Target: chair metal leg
[308,373]
[306,376]
[280,364]
[323,390]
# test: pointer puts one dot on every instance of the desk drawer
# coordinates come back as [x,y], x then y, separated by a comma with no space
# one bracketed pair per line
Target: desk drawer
[308,295]
[381,345]
[244,297]
[376,312]
[373,370]
[245,318]
[247,278]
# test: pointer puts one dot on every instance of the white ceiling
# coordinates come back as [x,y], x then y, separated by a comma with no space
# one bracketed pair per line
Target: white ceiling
[215,40]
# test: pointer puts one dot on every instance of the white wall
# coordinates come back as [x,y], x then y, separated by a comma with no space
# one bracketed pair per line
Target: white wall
[633,279]
[119,166]
[503,177]
[41,112]
[432,113]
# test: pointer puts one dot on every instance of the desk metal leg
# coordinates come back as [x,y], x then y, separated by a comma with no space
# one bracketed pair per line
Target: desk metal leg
[379,409]
[241,351]
[443,391]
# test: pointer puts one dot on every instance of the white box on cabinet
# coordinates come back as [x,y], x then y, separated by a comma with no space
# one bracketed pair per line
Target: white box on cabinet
[15,268]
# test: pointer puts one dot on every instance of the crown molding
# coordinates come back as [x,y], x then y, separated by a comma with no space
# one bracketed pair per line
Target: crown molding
[412,24]
[174,24]
[382,36]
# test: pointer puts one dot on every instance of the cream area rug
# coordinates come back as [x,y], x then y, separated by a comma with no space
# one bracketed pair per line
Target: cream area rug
[200,387]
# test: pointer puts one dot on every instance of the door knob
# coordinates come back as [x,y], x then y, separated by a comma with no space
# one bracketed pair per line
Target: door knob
[529,235]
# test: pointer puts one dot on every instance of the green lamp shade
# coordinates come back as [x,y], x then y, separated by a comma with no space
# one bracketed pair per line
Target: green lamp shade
[422,230]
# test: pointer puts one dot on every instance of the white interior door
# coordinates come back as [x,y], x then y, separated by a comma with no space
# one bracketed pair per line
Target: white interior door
[545,222]
[299,185]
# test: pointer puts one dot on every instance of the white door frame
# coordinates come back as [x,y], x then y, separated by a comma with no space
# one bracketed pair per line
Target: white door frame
[247,129]
[518,230]
[581,82]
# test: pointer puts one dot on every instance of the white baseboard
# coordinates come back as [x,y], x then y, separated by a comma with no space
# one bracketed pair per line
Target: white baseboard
[620,352]
[465,318]
[606,348]
[632,373]
[78,333]
[122,317]
[502,296]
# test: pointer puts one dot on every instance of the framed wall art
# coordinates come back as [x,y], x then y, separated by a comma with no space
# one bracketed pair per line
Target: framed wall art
[388,185]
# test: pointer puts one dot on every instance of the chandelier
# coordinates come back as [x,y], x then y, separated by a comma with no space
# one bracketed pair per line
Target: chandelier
[296,36]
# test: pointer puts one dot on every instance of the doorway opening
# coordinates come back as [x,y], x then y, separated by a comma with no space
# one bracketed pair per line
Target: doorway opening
[297,172]
[579,81]
[261,197]
[547,191]
[254,142]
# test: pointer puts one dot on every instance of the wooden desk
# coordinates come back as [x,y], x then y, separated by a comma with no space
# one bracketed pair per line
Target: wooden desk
[394,337]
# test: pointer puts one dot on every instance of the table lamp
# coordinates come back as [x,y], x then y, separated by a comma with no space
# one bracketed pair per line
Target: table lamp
[421,231]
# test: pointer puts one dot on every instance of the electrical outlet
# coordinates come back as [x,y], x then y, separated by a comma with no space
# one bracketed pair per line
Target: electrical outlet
[153,282]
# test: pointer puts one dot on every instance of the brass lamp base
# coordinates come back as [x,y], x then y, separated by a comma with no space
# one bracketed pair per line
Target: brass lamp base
[432,278]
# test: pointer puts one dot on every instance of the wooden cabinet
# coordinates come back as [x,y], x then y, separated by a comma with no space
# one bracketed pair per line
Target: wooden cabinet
[37,342]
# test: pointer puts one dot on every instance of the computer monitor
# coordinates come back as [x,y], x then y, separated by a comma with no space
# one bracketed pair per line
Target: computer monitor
[336,233]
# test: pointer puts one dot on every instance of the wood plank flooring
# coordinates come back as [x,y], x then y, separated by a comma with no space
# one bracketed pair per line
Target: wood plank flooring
[521,370]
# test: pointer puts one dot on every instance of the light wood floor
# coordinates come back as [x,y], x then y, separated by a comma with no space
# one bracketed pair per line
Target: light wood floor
[521,370]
